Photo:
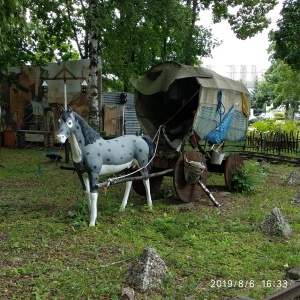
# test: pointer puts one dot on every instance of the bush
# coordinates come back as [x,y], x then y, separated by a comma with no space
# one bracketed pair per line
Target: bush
[246,179]
[273,125]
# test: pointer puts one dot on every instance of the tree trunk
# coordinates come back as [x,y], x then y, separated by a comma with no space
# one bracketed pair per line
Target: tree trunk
[93,68]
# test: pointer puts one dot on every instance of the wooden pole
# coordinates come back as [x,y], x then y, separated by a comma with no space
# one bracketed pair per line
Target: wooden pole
[125,179]
[205,189]
[162,173]
[65,94]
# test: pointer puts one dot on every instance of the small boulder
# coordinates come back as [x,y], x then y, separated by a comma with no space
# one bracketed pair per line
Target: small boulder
[149,271]
[127,294]
[293,179]
[294,273]
[296,199]
[275,224]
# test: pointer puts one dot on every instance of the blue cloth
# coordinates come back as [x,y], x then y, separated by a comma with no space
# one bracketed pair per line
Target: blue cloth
[218,135]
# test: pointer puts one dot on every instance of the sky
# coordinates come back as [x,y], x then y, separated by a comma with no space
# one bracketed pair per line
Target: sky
[237,52]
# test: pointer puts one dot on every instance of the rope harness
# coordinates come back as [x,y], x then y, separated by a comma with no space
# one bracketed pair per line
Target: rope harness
[220,106]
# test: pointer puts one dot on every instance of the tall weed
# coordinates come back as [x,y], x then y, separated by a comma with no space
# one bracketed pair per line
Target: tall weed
[246,179]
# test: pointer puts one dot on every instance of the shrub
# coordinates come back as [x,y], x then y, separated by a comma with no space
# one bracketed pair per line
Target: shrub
[273,125]
[246,179]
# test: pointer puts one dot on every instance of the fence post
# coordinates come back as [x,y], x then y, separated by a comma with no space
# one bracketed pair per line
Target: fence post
[278,143]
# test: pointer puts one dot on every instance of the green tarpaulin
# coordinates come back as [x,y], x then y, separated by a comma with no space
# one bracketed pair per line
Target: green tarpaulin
[172,94]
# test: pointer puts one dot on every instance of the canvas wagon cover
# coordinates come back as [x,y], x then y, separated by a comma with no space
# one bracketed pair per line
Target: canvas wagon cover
[169,92]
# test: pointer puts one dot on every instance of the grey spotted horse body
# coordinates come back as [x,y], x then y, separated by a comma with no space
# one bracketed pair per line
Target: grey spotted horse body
[93,156]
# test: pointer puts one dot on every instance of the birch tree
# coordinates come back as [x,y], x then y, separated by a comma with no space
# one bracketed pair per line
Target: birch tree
[93,41]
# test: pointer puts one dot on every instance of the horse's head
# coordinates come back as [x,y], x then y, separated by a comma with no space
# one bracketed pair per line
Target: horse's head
[66,124]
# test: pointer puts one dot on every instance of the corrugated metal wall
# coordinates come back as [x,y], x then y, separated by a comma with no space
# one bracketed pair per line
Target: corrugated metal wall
[132,125]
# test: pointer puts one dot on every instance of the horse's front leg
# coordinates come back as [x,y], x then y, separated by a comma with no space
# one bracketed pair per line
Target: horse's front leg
[91,193]
[93,208]
[126,195]
[87,189]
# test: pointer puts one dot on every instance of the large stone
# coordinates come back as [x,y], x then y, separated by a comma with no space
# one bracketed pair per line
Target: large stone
[149,271]
[296,199]
[294,273]
[127,294]
[275,224]
[293,179]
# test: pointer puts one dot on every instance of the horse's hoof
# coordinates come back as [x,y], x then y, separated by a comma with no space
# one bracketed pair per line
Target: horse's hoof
[122,209]
[92,224]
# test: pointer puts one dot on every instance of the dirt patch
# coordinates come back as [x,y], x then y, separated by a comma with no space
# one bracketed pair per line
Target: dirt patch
[220,193]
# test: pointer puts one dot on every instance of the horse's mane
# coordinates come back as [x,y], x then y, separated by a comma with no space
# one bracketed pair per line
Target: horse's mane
[90,135]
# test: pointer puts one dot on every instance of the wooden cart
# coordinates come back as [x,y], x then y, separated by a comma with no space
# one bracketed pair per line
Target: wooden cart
[198,115]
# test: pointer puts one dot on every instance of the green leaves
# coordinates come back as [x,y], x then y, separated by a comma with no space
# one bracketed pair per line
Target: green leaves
[280,87]
[245,17]
[286,38]
[246,179]
[131,36]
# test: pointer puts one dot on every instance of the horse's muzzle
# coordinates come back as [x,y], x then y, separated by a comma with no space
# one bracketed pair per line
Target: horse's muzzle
[61,138]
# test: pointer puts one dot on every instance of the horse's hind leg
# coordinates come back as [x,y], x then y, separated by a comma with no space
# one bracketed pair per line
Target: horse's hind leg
[126,195]
[148,194]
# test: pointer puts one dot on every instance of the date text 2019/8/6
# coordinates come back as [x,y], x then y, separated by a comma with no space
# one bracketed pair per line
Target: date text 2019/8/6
[221,283]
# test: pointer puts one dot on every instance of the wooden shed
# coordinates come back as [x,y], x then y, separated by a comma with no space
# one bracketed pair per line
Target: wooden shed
[30,110]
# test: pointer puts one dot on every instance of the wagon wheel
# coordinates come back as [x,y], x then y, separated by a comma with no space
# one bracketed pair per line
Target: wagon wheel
[185,191]
[233,163]
[155,183]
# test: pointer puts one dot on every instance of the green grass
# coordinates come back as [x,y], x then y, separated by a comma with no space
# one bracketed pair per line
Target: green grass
[49,252]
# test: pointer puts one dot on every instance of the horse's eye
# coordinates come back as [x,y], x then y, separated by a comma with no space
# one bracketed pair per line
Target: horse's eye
[70,123]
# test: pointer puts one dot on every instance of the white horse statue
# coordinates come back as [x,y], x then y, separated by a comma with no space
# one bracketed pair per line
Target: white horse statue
[93,156]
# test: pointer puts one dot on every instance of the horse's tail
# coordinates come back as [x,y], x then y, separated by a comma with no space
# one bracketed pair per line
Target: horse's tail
[148,140]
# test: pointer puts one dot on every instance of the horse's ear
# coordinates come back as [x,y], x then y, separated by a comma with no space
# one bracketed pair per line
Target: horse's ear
[69,109]
[61,108]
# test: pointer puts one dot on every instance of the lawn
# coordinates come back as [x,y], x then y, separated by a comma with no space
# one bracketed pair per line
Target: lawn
[48,251]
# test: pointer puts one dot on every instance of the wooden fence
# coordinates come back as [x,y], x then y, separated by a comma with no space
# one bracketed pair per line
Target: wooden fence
[281,143]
